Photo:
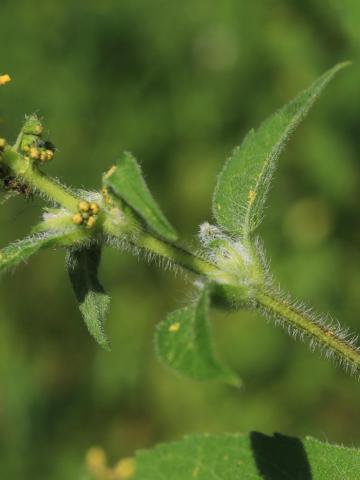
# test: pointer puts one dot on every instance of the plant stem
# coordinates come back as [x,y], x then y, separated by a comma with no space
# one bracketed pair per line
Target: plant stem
[178,255]
[37,180]
[319,333]
[322,335]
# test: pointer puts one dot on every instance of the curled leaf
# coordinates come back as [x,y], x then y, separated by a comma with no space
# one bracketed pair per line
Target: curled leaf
[82,265]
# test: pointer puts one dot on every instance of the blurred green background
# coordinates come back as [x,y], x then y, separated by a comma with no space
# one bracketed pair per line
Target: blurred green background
[178,84]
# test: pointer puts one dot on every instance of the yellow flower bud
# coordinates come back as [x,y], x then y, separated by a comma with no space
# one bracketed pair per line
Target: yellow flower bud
[125,468]
[49,155]
[96,461]
[77,219]
[4,79]
[34,153]
[94,207]
[91,222]
[84,206]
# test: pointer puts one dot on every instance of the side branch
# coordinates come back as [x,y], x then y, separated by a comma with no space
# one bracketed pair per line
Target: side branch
[332,341]
[40,182]
[177,254]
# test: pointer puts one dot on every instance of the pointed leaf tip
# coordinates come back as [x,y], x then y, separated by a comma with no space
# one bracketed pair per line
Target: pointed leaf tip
[243,184]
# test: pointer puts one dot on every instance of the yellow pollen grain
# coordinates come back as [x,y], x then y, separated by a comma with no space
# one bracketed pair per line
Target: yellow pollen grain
[125,468]
[4,79]
[174,327]
[110,172]
[2,142]
[251,196]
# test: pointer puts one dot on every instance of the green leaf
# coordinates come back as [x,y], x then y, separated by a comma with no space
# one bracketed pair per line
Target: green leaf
[244,457]
[82,265]
[183,342]
[127,182]
[21,250]
[6,195]
[243,184]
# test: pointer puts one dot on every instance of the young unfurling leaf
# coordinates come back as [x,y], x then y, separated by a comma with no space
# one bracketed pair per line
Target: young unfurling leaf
[82,265]
[127,182]
[183,342]
[244,182]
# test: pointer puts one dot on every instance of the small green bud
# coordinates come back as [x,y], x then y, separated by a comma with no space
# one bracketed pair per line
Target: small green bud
[33,126]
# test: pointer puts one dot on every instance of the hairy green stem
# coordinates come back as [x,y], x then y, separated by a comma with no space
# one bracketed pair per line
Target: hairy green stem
[37,180]
[177,254]
[321,334]
[317,331]
[273,305]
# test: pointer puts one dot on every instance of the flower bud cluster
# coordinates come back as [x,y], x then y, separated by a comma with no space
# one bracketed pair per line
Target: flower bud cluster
[87,214]
[32,146]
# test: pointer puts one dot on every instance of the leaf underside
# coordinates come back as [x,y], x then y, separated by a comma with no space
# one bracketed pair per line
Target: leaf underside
[183,342]
[243,184]
[94,303]
[127,182]
[241,457]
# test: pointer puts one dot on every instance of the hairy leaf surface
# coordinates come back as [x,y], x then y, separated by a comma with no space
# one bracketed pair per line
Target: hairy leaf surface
[183,342]
[243,184]
[127,182]
[244,457]
[82,265]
